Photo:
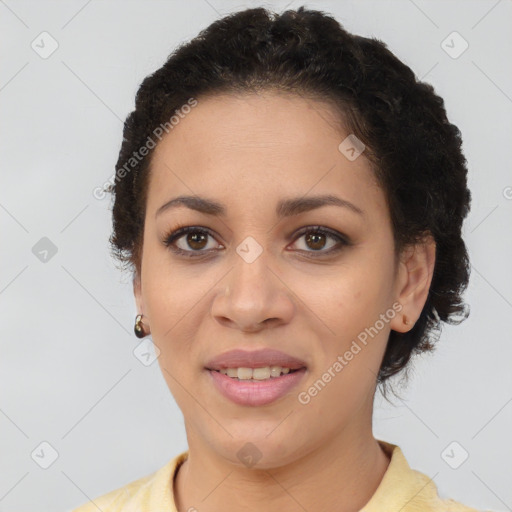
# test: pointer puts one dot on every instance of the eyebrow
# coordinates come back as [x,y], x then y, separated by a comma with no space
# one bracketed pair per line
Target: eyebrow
[284,208]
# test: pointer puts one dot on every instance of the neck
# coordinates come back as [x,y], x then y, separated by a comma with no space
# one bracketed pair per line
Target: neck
[341,475]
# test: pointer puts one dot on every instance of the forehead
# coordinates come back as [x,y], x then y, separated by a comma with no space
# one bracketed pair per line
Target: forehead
[248,149]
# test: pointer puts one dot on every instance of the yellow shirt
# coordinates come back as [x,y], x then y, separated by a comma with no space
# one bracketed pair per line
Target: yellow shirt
[401,489]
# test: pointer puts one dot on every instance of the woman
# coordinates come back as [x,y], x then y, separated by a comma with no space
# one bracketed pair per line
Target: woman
[290,201]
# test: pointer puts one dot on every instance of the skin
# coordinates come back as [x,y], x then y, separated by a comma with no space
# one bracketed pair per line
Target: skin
[248,152]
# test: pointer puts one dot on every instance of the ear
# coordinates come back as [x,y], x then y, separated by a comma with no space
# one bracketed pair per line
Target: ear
[137,292]
[414,276]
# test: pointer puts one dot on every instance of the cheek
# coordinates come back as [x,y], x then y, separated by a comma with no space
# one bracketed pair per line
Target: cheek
[345,299]
[171,291]
[346,307]
[170,303]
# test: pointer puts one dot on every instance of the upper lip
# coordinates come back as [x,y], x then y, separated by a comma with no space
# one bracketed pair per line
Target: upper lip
[254,359]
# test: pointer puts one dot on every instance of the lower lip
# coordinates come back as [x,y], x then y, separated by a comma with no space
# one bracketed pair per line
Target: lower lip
[256,393]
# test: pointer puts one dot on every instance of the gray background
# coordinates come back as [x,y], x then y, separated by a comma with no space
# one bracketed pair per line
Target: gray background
[68,374]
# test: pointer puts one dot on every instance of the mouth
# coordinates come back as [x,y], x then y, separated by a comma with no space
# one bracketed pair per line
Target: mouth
[256,374]
[260,361]
[255,377]
[252,389]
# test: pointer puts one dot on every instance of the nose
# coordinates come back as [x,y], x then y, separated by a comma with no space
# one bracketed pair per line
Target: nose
[253,297]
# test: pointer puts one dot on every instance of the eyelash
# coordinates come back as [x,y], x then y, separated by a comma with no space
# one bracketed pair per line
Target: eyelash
[180,231]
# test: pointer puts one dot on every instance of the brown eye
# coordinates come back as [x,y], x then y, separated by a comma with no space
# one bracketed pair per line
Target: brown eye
[192,241]
[316,240]
[189,241]
[196,240]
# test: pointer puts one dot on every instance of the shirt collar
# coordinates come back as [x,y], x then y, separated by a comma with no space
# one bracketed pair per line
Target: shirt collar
[402,489]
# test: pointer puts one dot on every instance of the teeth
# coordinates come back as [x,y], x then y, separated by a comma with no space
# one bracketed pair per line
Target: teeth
[255,374]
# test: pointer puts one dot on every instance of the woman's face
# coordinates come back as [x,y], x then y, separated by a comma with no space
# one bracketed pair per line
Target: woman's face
[249,278]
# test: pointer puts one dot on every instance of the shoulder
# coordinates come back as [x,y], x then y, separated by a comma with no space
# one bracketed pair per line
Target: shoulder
[123,498]
[144,494]
[117,499]
[428,499]
[409,490]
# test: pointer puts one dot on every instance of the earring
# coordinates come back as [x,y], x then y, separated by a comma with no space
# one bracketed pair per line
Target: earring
[138,328]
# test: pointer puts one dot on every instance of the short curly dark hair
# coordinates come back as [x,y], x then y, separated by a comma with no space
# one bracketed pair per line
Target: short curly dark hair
[414,151]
